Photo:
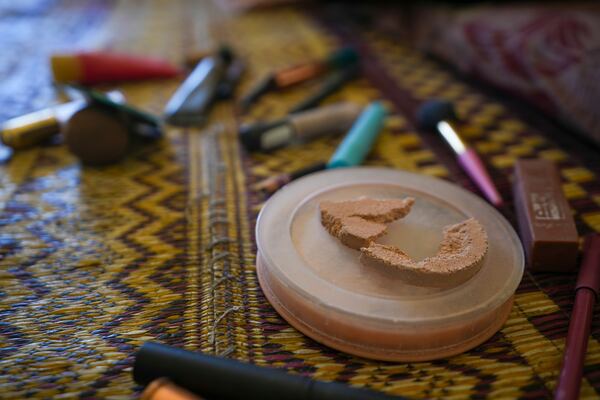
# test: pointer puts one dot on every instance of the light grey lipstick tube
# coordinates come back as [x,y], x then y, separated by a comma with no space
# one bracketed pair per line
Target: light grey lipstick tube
[327,120]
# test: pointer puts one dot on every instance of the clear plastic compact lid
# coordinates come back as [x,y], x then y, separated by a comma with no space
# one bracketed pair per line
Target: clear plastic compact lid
[310,271]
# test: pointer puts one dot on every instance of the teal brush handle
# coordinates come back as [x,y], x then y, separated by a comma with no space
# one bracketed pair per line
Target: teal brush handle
[359,140]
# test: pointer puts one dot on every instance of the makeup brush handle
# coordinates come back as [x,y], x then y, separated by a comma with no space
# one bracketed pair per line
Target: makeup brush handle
[569,380]
[472,164]
[221,378]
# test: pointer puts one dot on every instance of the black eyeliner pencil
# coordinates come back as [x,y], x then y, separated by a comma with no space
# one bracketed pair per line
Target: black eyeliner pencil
[221,378]
[264,86]
[295,74]
[333,82]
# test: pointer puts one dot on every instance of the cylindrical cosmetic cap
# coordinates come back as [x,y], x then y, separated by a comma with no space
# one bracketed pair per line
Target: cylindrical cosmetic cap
[221,378]
[358,142]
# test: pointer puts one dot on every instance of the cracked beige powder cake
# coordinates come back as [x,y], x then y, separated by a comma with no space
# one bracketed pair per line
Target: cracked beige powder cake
[359,223]
[459,257]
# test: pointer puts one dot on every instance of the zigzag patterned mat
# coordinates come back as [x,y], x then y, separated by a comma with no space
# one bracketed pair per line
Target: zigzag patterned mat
[160,247]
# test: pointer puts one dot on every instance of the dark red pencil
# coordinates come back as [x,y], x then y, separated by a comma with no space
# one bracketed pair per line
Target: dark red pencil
[586,292]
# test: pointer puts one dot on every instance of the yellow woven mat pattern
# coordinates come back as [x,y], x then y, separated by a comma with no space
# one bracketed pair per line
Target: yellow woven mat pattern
[96,261]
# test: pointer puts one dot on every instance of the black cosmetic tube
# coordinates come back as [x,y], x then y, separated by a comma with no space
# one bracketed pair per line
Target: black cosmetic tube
[223,379]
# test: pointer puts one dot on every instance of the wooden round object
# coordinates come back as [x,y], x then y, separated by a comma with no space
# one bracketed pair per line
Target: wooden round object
[97,136]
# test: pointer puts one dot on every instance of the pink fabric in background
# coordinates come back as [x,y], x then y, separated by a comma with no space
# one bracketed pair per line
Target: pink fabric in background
[548,54]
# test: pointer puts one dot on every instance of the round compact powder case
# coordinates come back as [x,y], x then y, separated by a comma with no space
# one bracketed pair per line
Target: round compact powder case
[321,288]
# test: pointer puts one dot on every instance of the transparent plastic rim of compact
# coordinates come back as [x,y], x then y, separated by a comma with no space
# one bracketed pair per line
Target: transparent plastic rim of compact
[290,198]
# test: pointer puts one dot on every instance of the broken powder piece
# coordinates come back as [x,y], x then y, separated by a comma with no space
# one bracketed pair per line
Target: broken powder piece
[356,223]
[459,257]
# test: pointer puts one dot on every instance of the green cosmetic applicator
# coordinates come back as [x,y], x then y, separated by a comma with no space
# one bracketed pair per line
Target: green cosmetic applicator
[360,139]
